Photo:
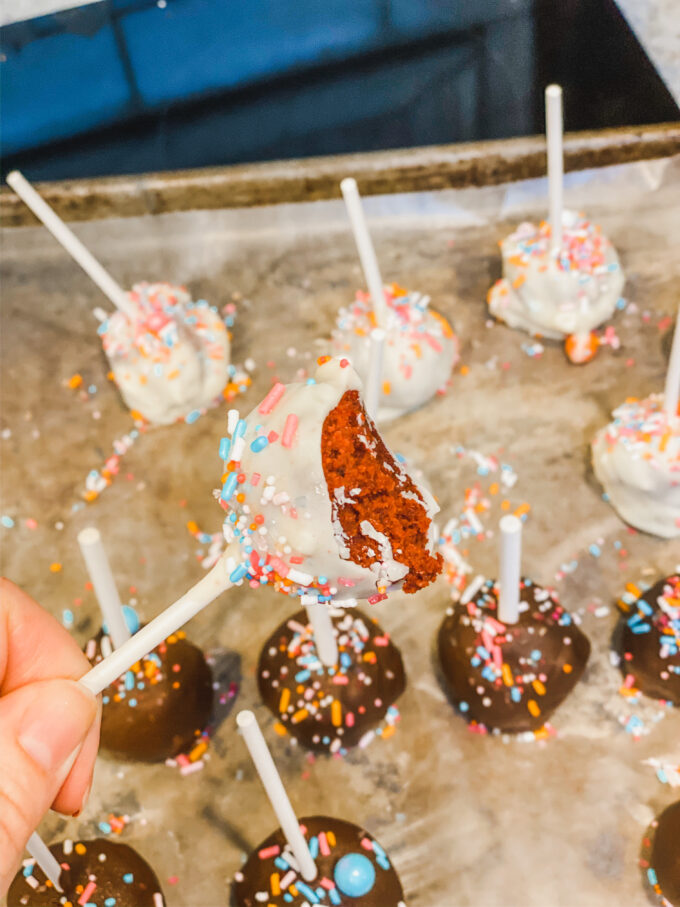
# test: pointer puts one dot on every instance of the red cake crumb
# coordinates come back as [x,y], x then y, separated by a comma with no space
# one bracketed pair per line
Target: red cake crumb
[354,456]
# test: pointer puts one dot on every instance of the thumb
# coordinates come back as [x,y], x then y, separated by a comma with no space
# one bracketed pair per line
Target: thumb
[42,727]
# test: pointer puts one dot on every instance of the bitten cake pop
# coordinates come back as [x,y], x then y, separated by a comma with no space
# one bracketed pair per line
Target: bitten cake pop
[660,857]
[170,357]
[315,860]
[563,277]
[353,869]
[650,641]
[509,658]
[316,500]
[160,706]
[637,457]
[331,708]
[420,348]
[98,873]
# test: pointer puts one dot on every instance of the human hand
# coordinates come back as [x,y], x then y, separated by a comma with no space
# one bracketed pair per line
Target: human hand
[49,724]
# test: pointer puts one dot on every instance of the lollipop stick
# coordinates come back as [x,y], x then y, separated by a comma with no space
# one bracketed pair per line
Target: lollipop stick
[554,127]
[375,372]
[45,859]
[169,621]
[271,781]
[322,627]
[99,570]
[70,242]
[511,558]
[672,389]
[362,237]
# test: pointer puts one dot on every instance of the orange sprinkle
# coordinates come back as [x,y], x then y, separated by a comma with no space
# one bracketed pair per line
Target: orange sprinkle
[523,508]
[299,716]
[136,415]
[494,488]
[75,381]
[518,281]
[336,713]
[284,702]
[274,884]
[507,674]
[330,837]
[505,505]
[280,729]
[532,705]
[323,359]
[538,686]
[387,732]
[386,388]
[55,567]
[464,370]
[567,668]
[192,527]
[198,751]
[80,849]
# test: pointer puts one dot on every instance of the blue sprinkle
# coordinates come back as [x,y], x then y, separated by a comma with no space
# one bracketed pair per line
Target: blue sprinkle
[191,417]
[536,655]
[128,878]
[595,550]
[334,896]
[515,694]
[110,902]
[28,871]
[280,863]
[308,892]
[92,389]
[225,447]
[287,898]
[131,619]
[463,706]
[229,486]
[238,573]
[301,676]
[483,652]
[641,628]
[651,875]
[105,828]
[240,428]
[314,847]
[644,607]
[132,703]
[259,444]
[67,617]
[7,521]
[129,680]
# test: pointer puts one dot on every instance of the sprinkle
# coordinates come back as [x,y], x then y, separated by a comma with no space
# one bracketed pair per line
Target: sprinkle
[87,891]
[268,852]
[272,398]
[289,430]
[55,567]
[7,521]
[533,707]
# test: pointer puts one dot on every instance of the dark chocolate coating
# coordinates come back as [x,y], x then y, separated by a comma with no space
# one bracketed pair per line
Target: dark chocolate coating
[374,672]
[538,660]
[661,852]
[255,875]
[107,876]
[655,667]
[173,702]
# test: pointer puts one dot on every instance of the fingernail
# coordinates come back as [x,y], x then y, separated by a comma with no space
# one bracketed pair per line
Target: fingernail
[83,802]
[54,726]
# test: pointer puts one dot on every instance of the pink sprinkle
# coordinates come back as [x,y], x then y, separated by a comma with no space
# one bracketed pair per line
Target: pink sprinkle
[345,582]
[173,880]
[267,852]
[323,844]
[366,844]
[289,430]
[629,681]
[182,759]
[255,478]
[280,566]
[30,523]
[327,884]
[436,346]
[272,398]
[87,891]
[349,719]
[381,640]
[340,679]
[272,436]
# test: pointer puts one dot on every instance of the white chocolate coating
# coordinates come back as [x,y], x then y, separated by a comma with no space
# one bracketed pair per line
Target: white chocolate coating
[281,510]
[420,349]
[572,294]
[173,359]
[637,459]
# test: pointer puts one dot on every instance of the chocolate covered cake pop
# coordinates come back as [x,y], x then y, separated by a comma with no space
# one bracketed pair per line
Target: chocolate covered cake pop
[98,873]
[330,709]
[317,502]
[353,869]
[421,349]
[510,677]
[650,641]
[161,705]
[660,858]
[171,357]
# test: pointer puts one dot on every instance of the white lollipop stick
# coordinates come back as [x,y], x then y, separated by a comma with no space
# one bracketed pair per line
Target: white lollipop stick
[99,570]
[271,781]
[322,627]
[672,389]
[554,127]
[45,859]
[375,372]
[169,621]
[362,238]
[70,242]
[511,560]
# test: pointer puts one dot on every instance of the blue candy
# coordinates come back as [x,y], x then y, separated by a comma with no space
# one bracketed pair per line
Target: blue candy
[354,875]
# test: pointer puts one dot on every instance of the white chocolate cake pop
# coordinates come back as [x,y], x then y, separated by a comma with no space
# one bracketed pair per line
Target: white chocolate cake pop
[556,295]
[171,359]
[315,499]
[420,349]
[637,459]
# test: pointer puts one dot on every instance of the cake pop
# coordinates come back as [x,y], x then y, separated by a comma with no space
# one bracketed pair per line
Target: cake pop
[650,641]
[660,857]
[169,355]
[317,502]
[98,873]
[159,707]
[333,708]
[353,869]
[421,348]
[508,665]
[636,458]
[563,277]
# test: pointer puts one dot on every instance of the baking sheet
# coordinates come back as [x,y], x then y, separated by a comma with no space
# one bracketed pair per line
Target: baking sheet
[468,820]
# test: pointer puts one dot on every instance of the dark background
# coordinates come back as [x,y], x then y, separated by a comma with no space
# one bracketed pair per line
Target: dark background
[125,86]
